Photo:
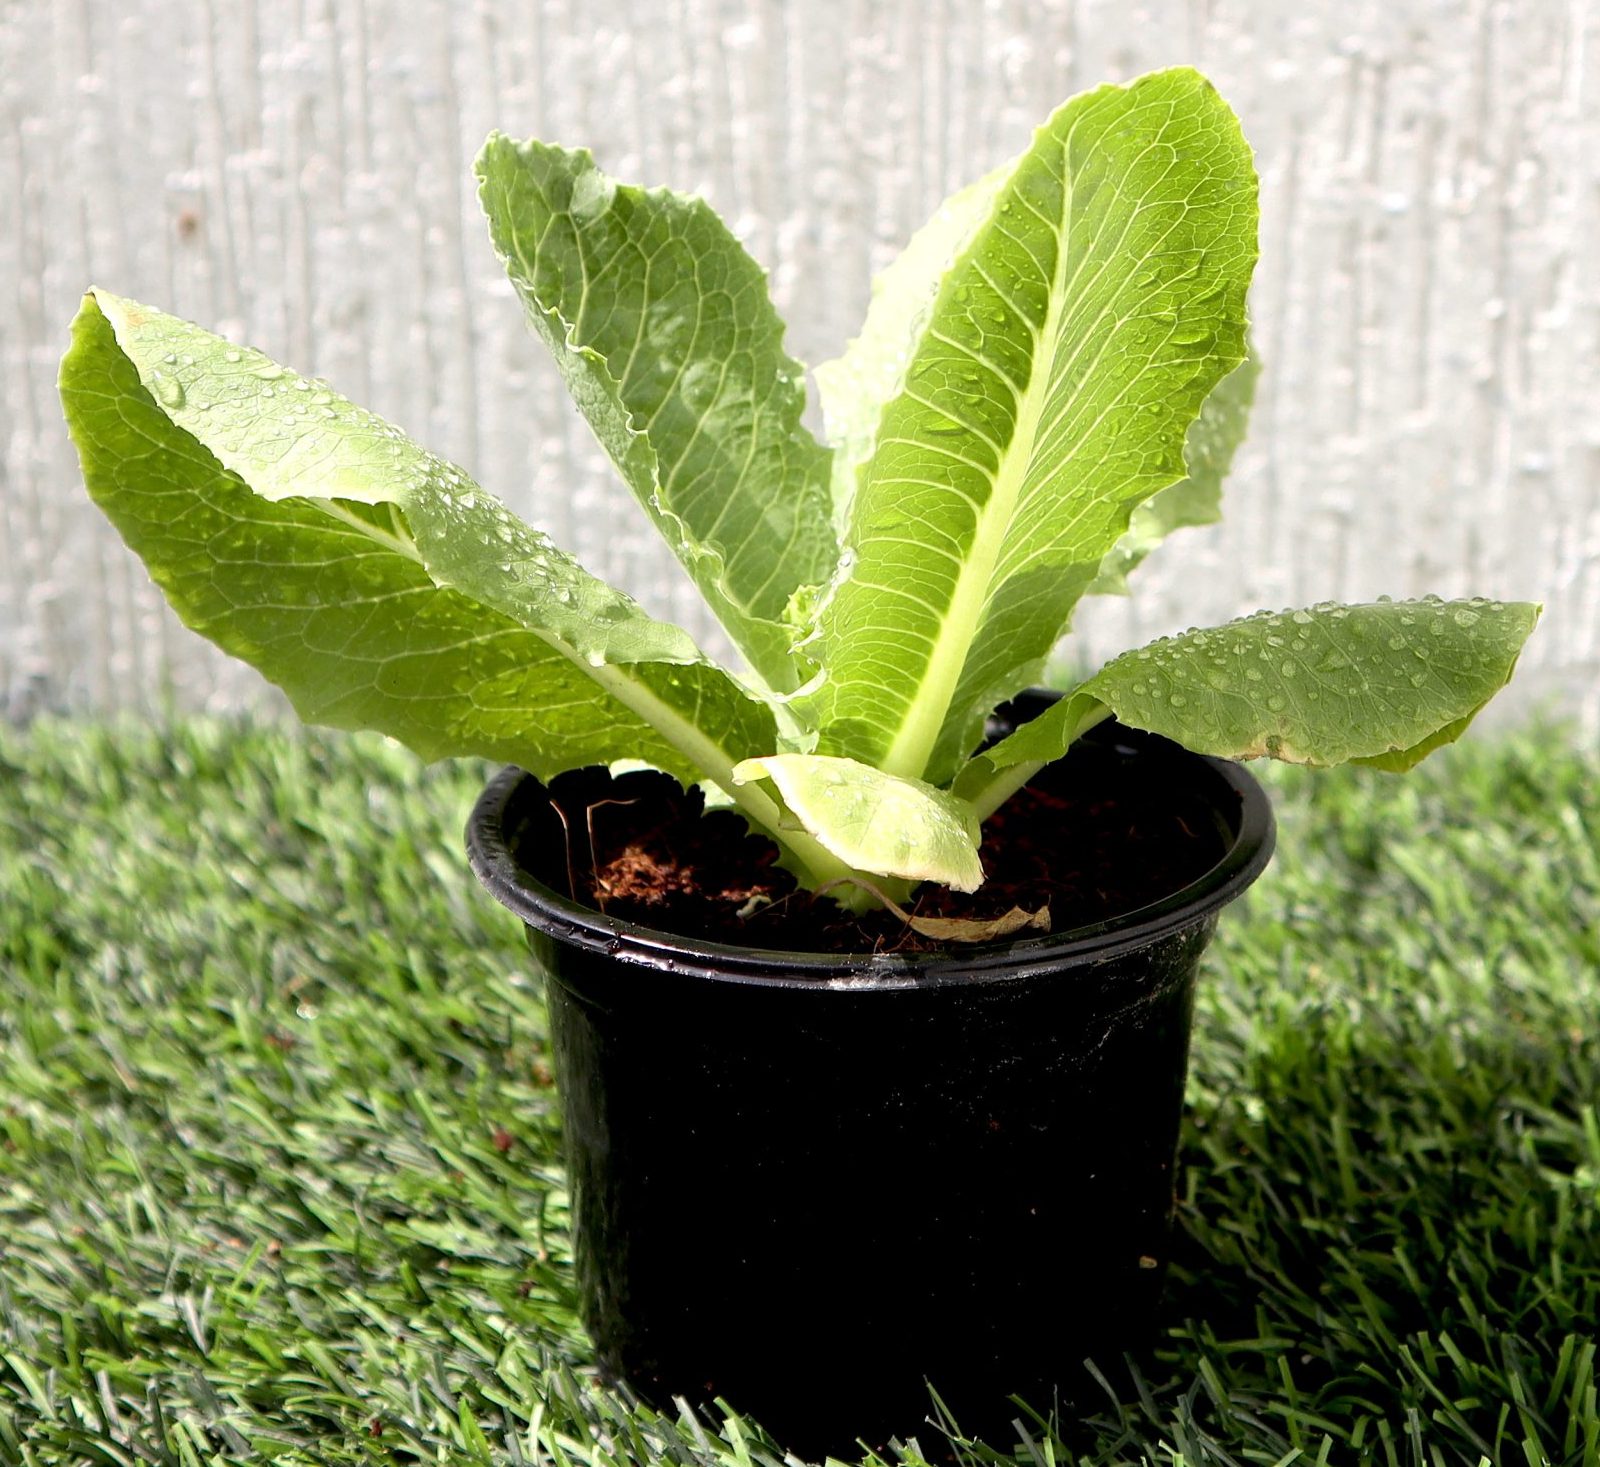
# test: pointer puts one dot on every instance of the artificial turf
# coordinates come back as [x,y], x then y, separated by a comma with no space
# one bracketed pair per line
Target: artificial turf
[280,1173]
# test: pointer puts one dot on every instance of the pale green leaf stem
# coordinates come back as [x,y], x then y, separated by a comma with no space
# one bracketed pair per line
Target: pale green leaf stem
[989,779]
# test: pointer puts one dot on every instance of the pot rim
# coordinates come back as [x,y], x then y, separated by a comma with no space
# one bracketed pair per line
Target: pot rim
[568,921]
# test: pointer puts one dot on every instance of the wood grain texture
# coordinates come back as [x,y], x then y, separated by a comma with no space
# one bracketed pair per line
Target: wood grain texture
[295,172]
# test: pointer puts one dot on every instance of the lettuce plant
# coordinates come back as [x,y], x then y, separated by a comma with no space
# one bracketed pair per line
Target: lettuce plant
[1050,379]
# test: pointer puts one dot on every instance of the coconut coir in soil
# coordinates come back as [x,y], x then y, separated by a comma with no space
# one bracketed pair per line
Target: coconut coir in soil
[1085,839]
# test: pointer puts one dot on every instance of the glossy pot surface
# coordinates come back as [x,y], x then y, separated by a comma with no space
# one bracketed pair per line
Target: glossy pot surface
[811,1185]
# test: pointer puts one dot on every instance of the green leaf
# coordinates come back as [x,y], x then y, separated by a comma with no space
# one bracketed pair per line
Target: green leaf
[874,822]
[857,386]
[374,583]
[1068,351]
[1208,452]
[1398,761]
[661,325]
[1383,683]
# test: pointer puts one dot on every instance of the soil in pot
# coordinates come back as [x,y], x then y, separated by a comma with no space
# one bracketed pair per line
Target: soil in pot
[641,849]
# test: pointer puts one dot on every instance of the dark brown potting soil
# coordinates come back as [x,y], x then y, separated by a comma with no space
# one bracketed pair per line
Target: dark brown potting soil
[1085,840]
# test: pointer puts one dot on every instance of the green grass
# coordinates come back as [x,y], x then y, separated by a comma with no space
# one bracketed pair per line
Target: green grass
[279,1152]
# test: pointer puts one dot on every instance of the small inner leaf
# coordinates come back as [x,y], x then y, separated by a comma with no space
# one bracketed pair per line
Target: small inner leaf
[873,821]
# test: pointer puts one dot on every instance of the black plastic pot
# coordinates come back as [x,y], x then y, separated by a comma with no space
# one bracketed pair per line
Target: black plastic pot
[811,1185]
